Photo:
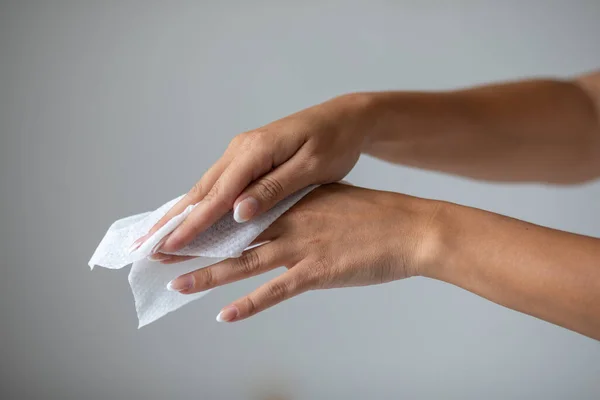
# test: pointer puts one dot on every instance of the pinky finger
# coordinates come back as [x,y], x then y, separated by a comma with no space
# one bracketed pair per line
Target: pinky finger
[285,286]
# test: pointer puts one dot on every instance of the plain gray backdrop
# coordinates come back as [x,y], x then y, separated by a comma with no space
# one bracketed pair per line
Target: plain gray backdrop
[111,108]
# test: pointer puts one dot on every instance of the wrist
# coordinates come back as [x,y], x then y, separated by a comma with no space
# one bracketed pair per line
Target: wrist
[433,249]
[414,235]
[358,109]
[454,236]
[386,120]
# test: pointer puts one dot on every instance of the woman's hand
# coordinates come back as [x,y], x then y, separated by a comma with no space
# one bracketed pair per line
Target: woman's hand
[261,167]
[336,236]
[341,235]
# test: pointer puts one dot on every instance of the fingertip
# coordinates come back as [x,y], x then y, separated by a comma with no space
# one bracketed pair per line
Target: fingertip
[228,314]
[158,257]
[138,243]
[245,210]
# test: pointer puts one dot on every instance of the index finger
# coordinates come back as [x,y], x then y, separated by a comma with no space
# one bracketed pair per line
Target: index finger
[218,201]
[196,193]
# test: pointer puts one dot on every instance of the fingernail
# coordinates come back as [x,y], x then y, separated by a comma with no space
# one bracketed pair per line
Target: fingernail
[228,314]
[245,209]
[158,257]
[136,245]
[182,283]
[156,248]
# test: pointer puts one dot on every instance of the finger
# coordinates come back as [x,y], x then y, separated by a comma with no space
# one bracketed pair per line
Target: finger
[173,259]
[159,257]
[266,236]
[264,193]
[271,233]
[250,263]
[218,201]
[263,238]
[274,231]
[285,286]
[198,191]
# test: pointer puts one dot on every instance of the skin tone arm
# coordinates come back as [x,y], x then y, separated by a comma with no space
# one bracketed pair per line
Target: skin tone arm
[550,274]
[536,130]
[342,235]
[532,130]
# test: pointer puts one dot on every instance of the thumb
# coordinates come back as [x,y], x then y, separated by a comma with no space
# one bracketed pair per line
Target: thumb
[264,193]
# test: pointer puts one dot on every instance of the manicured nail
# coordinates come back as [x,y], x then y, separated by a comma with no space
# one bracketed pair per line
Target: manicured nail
[184,282]
[245,209]
[136,245]
[228,314]
[158,257]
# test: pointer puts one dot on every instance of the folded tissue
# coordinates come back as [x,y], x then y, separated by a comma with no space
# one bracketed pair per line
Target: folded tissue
[148,279]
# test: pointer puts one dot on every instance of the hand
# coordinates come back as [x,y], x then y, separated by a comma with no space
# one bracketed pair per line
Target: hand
[336,236]
[259,168]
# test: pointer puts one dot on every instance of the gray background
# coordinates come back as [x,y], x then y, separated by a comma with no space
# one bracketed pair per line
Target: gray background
[110,108]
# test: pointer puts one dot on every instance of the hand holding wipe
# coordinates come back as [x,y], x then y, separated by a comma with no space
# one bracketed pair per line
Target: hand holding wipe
[148,280]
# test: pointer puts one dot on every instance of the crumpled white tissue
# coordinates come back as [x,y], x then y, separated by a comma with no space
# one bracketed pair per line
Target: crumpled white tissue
[149,279]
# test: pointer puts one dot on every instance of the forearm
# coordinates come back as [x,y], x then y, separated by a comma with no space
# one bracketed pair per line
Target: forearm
[536,130]
[550,274]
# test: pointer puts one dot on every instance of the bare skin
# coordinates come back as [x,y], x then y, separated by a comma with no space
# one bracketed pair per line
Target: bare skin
[527,131]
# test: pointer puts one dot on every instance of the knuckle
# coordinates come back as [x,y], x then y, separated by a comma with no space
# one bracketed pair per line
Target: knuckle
[250,306]
[277,291]
[316,163]
[315,242]
[249,139]
[196,190]
[303,219]
[313,280]
[214,192]
[204,278]
[258,136]
[309,164]
[301,216]
[317,145]
[305,280]
[216,197]
[269,189]
[238,140]
[312,164]
[254,143]
[321,265]
[321,272]
[248,262]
